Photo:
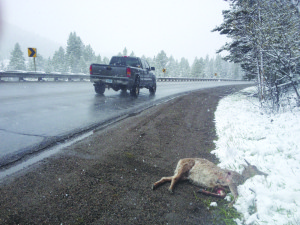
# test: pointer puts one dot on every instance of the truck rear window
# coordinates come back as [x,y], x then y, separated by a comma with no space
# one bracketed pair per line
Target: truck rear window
[124,61]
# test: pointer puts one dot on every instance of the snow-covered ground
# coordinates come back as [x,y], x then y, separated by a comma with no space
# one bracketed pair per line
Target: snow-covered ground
[272,143]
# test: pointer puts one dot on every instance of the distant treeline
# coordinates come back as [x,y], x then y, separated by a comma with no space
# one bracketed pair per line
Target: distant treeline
[77,57]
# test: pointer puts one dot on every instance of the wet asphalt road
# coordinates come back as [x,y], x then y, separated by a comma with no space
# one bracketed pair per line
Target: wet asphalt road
[35,115]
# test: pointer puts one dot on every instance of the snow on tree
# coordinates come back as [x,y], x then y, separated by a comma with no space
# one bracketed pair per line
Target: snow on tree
[74,52]
[132,54]
[2,66]
[161,61]
[59,60]
[88,53]
[219,67]
[172,68]
[266,42]
[88,57]
[39,63]
[125,52]
[209,67]
[105,60]
[49,67]
[77,57]
[17,60]
[198,68]
[98,59]
[184,67]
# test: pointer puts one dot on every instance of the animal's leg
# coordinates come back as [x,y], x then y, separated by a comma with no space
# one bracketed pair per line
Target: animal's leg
[184,167]
[220,192]
[161,181]
[234,192]
[175,179]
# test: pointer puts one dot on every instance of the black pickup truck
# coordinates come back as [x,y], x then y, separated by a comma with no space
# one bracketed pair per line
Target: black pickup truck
[123,73]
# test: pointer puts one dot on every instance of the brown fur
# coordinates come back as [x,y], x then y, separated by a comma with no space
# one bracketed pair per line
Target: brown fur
[204,173]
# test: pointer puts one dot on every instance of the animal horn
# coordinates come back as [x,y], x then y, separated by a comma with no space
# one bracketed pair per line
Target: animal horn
[247,162]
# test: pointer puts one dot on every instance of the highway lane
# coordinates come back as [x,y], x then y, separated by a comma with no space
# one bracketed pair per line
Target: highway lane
[34,115]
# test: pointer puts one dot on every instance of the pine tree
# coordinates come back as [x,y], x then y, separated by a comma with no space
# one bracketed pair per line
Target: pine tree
[88,58]
[83,66]
[132,54]
[88,53]
[105,60]
[150,61]
[198,68]
[17,60]
[237,72]
[184,68]
[161,62]
[40,63]
[210,68]
[206,69]
[172,68]
[59,60]
[265,41]
[125,52]
[218,66]
[98,59]
[2,66]
[30,66]
[49,67]
[74,52]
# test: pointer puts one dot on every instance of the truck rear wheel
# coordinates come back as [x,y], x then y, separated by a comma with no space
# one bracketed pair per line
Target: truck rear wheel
[152,89]
[99,88]
[135,90]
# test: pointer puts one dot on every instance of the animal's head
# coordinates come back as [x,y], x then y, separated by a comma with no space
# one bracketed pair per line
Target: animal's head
[251,171]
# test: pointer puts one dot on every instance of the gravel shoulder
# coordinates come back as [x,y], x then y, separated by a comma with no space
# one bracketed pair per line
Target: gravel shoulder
[107,177]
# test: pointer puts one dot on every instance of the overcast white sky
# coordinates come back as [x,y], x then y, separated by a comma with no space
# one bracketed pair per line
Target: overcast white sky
[179,27]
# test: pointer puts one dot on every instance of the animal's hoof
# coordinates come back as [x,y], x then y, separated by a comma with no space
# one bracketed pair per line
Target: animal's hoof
[153,187]
[171,191]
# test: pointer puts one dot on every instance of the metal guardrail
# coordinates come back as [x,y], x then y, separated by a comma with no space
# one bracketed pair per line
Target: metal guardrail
[21,76]
[186,79]
[41,76]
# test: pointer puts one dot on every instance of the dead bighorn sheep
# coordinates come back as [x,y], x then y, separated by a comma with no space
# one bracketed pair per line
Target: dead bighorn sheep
[204,173]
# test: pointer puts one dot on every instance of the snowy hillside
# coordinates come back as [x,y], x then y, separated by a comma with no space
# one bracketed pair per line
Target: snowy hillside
[12,34]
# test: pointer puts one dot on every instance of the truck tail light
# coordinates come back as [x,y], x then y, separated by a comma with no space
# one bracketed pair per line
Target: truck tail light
[128,71]
[91,69]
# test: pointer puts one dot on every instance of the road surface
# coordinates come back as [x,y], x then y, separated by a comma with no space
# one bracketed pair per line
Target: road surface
[35,115]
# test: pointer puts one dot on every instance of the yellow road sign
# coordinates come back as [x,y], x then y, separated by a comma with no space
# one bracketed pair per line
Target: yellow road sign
[164,70]
[31,52]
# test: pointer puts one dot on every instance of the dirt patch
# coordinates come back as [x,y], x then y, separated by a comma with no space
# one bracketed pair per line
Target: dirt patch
[107,178]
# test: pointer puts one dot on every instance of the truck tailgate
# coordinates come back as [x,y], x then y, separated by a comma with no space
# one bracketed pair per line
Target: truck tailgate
[107,71]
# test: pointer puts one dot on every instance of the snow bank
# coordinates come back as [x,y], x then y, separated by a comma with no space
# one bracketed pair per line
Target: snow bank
[271,142]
